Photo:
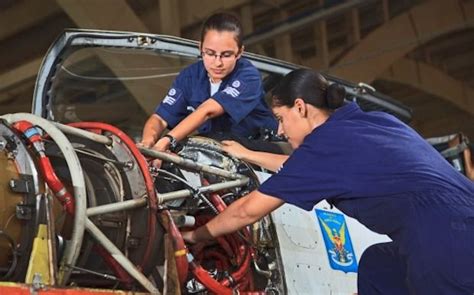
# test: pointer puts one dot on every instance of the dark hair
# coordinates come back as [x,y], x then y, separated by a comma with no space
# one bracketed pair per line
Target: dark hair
[310,86]
[223,22]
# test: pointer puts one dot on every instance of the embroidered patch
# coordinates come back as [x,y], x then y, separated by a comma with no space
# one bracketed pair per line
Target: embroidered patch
[169,100]
[236,84]
[337,241]
[231,91]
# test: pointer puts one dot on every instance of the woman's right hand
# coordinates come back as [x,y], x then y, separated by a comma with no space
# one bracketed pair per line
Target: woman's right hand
[162,145]
[146,143]
[234,149]
[188,237]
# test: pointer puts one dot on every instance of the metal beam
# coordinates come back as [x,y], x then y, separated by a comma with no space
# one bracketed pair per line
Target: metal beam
[355,25]
[104,14]
[193,12]
[433,81]
[399,36]
[385,11]
[322,14]
[170,17]
[283,48]
[322,44]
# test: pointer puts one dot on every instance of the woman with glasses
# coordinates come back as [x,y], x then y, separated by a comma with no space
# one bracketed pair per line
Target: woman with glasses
[222,93]
[374,168]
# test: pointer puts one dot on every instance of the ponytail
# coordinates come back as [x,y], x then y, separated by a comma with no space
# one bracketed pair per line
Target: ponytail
[310,86]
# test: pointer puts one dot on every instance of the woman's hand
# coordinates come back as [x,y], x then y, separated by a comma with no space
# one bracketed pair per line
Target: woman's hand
[161,145]
[146,143]
[234,149]
[188,237]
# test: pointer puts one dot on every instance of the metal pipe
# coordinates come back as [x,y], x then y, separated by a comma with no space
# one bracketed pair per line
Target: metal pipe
[224,185]
[114,207]
[72,250]
[203,189]
[184,193]
[84,133]
[184,220]
[119,257]
[185,163]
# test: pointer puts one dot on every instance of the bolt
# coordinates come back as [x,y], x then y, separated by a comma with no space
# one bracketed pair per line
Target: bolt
[3,144]
[37,282]
[133,242]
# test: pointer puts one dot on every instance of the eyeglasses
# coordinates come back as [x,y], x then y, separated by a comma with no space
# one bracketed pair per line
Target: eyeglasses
[226,55]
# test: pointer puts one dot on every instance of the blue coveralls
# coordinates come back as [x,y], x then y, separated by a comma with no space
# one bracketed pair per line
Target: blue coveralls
[240,94]
[376,169]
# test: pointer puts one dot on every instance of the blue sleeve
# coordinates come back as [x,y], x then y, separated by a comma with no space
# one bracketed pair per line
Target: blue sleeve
[173,107]
[242,94]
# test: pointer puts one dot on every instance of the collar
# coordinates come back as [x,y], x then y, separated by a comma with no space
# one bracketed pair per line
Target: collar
[206,77]
[344,111]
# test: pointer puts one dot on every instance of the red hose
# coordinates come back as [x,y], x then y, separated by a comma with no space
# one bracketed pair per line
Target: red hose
[245,264]
[61,193]
[243,255]
[214,286]
[226,246]
[209,282]
[219,257]
[142,164]
[240,273]
[59,190]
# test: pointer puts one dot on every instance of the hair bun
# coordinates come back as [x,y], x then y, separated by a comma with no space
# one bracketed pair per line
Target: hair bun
[335,94]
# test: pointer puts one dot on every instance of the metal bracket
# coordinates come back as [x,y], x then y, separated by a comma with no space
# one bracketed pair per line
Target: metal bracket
[365,88]
[20,185]
[37,283]
[24,212]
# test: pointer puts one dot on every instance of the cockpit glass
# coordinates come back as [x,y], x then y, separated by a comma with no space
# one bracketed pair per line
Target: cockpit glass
[116,86]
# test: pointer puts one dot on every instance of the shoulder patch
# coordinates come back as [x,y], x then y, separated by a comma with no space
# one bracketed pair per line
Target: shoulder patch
[169,100]
[231,91]
[173,95]
[236,84]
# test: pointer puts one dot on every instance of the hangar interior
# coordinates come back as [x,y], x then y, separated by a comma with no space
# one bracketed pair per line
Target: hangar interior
[83,204]
[418,52]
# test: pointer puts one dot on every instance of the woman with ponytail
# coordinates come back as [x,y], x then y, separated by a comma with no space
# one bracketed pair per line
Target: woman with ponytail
[374,168]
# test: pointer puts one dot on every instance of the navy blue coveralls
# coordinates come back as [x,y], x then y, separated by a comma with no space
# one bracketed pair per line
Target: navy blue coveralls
[376,169]
[240,94]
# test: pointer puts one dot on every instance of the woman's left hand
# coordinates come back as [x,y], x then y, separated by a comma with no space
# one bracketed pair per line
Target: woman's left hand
[234,149]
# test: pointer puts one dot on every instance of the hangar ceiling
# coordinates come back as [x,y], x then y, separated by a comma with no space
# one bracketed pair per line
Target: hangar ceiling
[419,52]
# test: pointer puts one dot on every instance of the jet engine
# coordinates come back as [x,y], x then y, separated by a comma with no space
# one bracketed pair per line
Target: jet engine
[83,206]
